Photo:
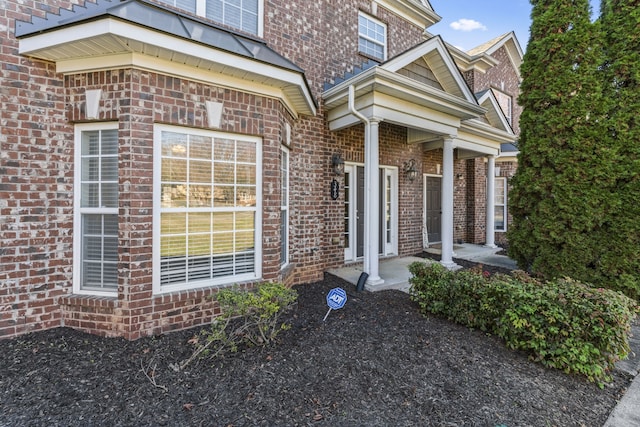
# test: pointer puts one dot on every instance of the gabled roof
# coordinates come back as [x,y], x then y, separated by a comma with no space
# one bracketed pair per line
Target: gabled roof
[511,44]
[438,59]
[418,12]
[495,116]
[421,89]
[135,33]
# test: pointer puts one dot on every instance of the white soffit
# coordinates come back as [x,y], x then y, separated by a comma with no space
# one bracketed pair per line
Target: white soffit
[110,43]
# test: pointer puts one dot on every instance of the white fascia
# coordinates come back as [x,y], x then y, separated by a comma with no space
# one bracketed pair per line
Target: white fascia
[126,34]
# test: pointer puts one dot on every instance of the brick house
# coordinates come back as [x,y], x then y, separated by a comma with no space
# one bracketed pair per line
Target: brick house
[153,152]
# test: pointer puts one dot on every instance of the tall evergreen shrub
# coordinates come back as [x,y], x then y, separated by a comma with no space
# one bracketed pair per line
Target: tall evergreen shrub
[620,260]
[562,194]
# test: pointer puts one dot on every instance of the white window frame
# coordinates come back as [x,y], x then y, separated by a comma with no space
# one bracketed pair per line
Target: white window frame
[504,204]
[158,288]
[372,40]
[79,211]
[285,186]
[201,10]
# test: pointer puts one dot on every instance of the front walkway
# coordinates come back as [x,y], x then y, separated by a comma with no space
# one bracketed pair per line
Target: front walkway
[395,271]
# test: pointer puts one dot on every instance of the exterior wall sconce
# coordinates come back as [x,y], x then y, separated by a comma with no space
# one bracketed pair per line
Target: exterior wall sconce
[337,164]
[409,168]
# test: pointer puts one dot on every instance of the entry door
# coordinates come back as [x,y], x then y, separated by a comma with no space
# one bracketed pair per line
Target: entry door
[433,209]
[354,211]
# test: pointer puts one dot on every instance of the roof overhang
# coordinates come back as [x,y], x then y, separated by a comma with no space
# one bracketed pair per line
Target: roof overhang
[398,99]
[189,49]
[418,12]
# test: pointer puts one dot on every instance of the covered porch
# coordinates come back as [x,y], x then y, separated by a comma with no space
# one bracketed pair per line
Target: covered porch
[423,91]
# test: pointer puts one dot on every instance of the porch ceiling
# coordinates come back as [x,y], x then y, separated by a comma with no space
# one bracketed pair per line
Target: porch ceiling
[111,35]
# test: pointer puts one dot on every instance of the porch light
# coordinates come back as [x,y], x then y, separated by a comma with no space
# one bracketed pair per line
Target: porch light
[338,164]
[409,169]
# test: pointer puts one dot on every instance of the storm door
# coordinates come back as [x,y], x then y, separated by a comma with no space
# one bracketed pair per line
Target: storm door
[354,212]
[432,209]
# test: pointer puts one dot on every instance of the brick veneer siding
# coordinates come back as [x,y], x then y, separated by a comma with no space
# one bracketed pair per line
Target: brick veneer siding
[503,78]
[40,107]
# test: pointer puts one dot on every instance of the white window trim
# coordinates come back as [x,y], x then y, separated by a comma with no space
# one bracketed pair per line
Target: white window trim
[78,210]
[386,36]
[157,170]
[201,10]
[285,207]
[504,205]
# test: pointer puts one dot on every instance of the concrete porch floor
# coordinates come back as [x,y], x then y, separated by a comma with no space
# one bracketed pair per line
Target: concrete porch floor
[395,271]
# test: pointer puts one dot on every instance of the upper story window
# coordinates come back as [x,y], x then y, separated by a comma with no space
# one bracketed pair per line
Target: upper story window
[506,104]
[372,37]
[245,15]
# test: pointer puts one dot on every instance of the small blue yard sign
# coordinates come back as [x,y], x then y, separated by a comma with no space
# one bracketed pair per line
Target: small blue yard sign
[336,298]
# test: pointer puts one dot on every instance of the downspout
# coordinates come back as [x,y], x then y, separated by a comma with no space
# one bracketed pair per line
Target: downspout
[352,109]
[371,219]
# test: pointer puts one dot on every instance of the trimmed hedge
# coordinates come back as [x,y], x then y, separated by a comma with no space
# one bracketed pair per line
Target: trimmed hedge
[562,323]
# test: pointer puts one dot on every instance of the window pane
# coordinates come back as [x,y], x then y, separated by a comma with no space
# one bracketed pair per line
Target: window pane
[174,170]
[246,174]
[224,150]
[200,147]
[241,14]
[99,251]
[223,221]
[246,196]
[212,181]
[246,152]
[173,223]
[224,173]
[110,195]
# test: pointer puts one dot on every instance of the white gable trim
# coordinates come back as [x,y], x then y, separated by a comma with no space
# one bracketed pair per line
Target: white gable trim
[488,100]
[418,12]
[449,76]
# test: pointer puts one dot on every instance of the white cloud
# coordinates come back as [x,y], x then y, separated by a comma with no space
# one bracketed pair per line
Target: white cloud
[464,24]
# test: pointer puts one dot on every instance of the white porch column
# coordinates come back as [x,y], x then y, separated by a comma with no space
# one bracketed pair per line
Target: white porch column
[372,202]
[447,203]
[491,197]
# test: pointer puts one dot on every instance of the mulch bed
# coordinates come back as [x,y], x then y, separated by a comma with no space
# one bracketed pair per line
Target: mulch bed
[376,362]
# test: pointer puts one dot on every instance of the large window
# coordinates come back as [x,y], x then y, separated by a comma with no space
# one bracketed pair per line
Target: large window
[245,15]
[284,207]
[207,208]
[500,207]
[372,37]
[96,209]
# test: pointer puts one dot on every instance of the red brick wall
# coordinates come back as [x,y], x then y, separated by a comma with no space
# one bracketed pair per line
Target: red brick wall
[35,185]
[39,107]
[502,77]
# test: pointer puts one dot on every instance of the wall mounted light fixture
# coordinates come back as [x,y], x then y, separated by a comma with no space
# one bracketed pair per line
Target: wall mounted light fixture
[337,164]
[409,168]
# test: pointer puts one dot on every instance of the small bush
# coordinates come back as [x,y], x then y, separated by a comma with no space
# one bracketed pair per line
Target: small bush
[253,317]
[563,324]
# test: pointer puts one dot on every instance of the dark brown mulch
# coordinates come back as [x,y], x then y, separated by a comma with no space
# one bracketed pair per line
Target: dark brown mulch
[376,362]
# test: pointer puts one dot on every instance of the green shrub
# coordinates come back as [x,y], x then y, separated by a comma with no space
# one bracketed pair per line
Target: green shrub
[253,317]
[563,324]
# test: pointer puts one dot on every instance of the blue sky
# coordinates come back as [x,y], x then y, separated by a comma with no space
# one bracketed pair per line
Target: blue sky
[469,23]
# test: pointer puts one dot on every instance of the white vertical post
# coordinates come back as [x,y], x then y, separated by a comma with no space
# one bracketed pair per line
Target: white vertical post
[372,202]
[491,197]
[447,203]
